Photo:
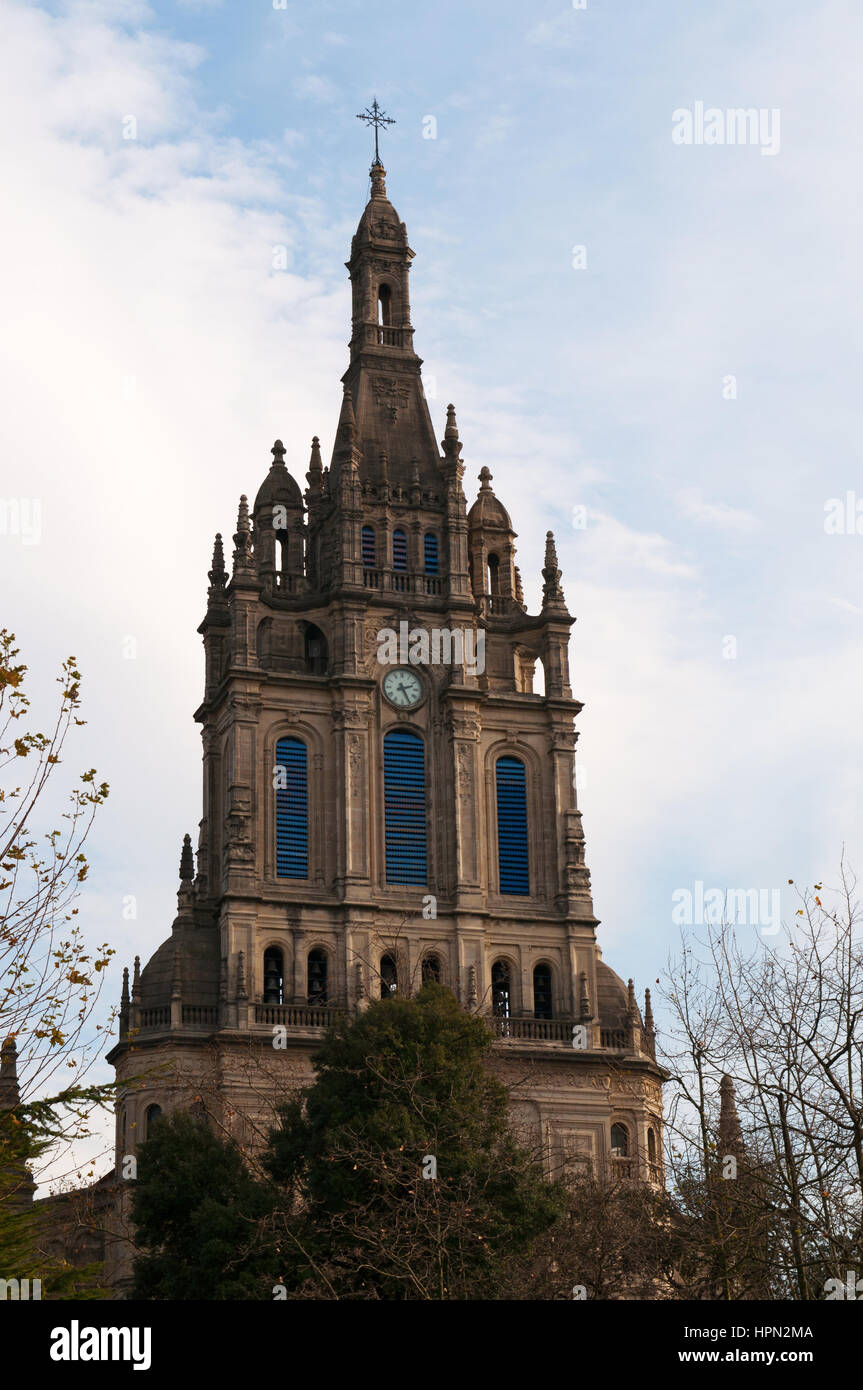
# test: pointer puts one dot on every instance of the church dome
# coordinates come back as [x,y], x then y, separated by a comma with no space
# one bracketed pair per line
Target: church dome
[612,997]
[278,488]
[487,510]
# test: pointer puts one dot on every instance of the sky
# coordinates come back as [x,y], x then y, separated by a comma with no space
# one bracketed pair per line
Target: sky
[654,346]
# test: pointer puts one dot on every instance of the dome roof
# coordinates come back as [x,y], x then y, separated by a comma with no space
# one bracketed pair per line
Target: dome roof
[278,488]
[612,997]
[487,510]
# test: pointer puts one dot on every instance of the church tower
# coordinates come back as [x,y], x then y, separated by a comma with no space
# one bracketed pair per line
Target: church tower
[386,797]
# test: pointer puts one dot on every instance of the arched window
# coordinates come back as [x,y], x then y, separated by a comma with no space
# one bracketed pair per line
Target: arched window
[274,976]
[292,809]
[651,1146]
[512,856]
[369,549]
[315,650]
[430,552]
[153,1113]
[619,1141]
[389,977]
[317,976]
[542,990]
[431,969]
[400,551]
[493,575]
[385,303]
[405,807]
[501,995]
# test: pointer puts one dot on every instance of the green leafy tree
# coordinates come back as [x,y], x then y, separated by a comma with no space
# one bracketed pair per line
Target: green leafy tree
[401,1176]
[197,1209]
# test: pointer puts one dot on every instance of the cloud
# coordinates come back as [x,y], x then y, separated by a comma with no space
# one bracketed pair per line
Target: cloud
[718,514]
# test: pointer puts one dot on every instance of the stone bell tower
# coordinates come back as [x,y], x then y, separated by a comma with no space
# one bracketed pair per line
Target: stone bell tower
[386,797]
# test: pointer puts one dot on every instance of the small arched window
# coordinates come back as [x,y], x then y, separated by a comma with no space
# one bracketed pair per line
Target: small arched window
[369,548]
[317,977]
[389,977]
[385,306]
[431,969]
[542,990]
[493,575]
[400,551]
[619,1141]
[274,976]
[651,1146]
[512,853]
[430,553]
[404,807]
[153,1113]
[292,809]
[501,995]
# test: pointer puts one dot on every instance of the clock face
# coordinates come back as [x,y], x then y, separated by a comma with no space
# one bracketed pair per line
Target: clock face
[403,688]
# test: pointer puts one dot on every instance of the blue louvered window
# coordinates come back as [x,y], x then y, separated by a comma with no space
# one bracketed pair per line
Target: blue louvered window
[431,552]
[512,826]
[292,809]
[368,547]
[400,551]
[405,807]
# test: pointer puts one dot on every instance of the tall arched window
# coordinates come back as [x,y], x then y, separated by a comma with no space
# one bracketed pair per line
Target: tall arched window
[651,1146]
[369,549]
[400,551]
[493,575]
[501,994]
[292,809]
[316,976]
[512,856]
[430,552]
[385,305]
[153,1113]
[431,969]
[620,1141]
[405,807]
[274,976]
[315,650]
[389,976]
[542,990]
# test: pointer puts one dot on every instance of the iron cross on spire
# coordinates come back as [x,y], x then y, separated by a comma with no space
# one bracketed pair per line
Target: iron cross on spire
[373,115]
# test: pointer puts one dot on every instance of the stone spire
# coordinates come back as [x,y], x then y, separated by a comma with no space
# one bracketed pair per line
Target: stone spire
[124,1003]
[136,981]
[552,593]
[730,1132]
[519,591]
[649,1028]
[187,862]
[316,469]
[9,1094]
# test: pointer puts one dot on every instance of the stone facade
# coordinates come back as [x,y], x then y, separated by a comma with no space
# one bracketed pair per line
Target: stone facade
[292,640]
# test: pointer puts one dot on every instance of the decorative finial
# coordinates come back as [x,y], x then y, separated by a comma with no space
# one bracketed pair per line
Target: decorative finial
[243,538]
[187,863]
[217,575]
[485,476]
[451,445]
[631,1006]
[373,115]
[278,453]
[451,431]
[585,998]
[124,993]
[551,590]
[519,591]
[136,981]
